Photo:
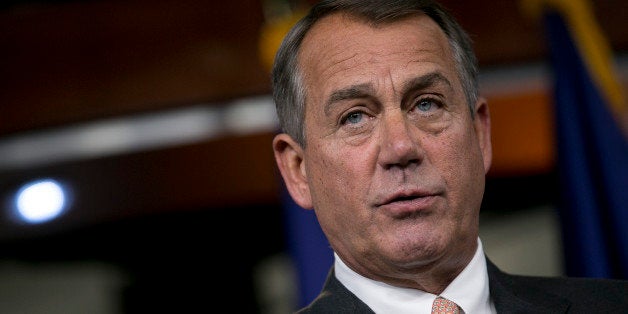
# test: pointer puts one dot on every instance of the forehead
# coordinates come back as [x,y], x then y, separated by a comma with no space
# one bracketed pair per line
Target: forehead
[340,47]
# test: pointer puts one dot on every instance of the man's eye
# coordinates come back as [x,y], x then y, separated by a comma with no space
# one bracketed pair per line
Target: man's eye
[354,117]
[425,104]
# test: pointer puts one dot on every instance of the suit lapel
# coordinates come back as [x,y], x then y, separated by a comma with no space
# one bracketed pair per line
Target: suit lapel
[336,298]
[512,295]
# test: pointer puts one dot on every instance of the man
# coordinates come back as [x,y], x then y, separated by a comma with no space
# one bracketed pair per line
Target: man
[385,137]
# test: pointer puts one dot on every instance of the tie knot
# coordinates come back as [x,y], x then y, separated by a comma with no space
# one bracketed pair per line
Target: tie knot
[444,306]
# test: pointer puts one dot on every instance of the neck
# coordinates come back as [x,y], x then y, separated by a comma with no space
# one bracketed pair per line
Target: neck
[432,277]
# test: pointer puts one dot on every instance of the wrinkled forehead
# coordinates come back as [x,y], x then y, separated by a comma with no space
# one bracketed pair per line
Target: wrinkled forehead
[324,29]
[339,42]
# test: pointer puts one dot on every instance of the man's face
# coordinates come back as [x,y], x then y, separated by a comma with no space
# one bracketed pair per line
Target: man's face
[394,163]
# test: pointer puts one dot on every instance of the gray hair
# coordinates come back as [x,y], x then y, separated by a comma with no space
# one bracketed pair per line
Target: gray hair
[288,88]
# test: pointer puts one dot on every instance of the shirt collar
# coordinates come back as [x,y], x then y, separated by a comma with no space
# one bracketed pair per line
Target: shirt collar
[470,290]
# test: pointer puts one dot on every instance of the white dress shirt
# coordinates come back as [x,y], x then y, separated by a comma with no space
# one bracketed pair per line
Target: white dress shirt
[469,290]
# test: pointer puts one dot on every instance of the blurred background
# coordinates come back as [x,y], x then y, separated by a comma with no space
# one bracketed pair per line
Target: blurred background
[150,123]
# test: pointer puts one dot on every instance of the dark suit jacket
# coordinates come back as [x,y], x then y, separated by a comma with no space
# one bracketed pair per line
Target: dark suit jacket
[511,294]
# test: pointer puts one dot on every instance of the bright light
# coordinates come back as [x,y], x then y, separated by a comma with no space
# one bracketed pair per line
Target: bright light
[40,201]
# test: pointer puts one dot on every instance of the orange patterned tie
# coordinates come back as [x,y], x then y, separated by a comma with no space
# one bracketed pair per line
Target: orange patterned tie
[444,306]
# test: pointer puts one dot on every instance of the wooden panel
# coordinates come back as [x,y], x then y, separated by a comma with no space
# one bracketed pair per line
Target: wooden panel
[76,61]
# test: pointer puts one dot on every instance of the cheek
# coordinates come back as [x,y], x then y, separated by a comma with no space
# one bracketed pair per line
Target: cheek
[332,172]
[330,187]
[339,179]
[459,159]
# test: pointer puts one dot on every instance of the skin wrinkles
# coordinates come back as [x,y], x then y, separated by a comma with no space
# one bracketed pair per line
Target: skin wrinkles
[365,90]
[345,62]
[426,81]
[356,91]
[398,196]
[364,98]
[342,58]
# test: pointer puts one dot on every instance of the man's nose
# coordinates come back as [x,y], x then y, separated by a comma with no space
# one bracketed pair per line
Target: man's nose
[399,145]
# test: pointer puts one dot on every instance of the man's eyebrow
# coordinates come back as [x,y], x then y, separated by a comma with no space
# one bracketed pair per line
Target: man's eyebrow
[366,90]
[352,92]
[425,81]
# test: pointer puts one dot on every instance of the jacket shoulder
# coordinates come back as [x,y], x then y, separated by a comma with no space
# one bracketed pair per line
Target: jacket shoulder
[557,294]
[603,293]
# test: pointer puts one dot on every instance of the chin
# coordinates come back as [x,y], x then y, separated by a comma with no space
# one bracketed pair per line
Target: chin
[416,251]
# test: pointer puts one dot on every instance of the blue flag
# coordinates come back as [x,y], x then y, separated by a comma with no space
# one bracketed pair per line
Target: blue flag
[592,159]
[309,249]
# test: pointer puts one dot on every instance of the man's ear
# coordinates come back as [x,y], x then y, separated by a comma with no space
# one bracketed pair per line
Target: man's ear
[482,126]
[290,160]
